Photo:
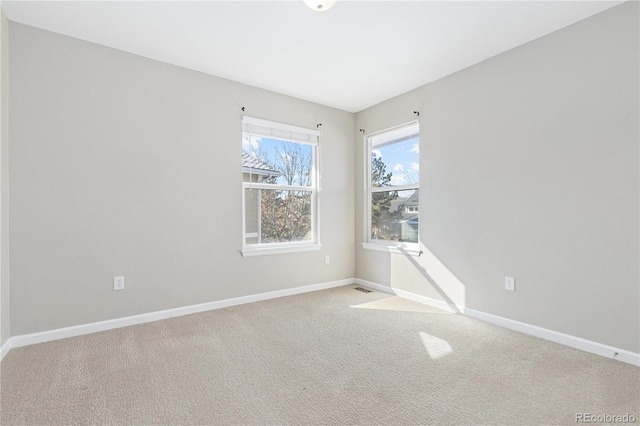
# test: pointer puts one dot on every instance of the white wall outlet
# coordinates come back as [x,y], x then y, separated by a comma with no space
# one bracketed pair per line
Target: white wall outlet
[327,259]
[118,283]
[510,283]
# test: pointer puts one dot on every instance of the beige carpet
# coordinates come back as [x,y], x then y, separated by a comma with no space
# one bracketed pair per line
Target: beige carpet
[330,357]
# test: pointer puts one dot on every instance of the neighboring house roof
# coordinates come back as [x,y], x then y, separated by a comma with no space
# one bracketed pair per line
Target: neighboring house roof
[393,206]
[407,202]
[413,200]
[253,165]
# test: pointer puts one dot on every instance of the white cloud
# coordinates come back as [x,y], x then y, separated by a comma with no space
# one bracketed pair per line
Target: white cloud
[399,180]
[377,153]
[404,175]
[416,148]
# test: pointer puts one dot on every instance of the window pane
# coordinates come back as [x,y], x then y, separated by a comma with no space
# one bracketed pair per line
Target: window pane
[277,161]
[394,215]
[277,216]
[251,203]
[396,163]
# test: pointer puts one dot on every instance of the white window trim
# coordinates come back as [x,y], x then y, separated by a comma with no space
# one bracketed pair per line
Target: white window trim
[259,127]
[382,138]
[261,251]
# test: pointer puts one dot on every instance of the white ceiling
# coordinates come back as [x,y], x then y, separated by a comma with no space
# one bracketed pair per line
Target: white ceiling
[353,56]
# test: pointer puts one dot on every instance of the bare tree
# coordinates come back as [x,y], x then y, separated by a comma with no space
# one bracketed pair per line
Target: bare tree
[286,214]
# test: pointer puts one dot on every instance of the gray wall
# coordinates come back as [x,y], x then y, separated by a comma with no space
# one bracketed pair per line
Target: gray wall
[529,168]
[4,179]
[122,165]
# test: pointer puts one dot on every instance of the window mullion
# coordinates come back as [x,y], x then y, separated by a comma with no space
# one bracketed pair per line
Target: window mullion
[274,187]
[394,188]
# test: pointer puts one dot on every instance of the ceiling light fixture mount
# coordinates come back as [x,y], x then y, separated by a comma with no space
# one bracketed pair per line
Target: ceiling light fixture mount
[320,5]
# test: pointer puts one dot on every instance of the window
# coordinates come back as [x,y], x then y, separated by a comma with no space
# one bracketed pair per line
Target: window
[279,187]
[393,188]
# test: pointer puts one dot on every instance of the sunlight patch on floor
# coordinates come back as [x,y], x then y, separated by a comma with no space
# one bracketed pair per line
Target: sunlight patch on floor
[436,347]
[395,303]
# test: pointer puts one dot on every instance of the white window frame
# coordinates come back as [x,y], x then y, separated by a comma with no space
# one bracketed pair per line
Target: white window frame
[258,127]
[382,138]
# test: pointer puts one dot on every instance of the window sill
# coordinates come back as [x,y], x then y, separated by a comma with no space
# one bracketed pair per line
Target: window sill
[262,251]
[410,249]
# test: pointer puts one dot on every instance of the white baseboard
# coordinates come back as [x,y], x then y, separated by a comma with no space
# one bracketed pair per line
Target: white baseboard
[374,286]
[4,349]
[449,307]
[554,336]
[557,337]
[78,330]
[532,330]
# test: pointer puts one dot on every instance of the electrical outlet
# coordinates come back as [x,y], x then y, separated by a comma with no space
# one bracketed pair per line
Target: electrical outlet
[510,283]
[327,259]
[118,283]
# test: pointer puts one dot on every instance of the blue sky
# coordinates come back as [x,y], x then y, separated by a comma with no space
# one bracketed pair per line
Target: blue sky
[402,160]
[273,152]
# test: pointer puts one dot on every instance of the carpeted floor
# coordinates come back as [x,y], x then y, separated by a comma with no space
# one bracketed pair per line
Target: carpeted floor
[337,356]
